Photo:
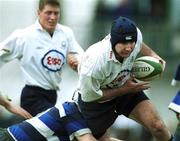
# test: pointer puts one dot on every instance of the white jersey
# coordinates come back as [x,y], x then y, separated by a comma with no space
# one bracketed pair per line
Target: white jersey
[41,56]
[100,69]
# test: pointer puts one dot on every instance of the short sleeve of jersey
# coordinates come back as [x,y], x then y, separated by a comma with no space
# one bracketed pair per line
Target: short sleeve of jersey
[11,47]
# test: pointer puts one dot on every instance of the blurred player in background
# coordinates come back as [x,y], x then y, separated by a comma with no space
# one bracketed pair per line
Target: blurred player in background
[175,104]
[13,108]
[106,89]
[42,50]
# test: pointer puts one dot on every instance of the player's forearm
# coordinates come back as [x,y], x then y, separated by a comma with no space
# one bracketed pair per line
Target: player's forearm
[112,93]
[73,61]
[147,51]
[4,102]
[130,86]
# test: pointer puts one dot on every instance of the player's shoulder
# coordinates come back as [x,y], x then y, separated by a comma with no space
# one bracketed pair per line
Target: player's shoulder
[139,35]
[91,54]
[100,47]
[18,33]
[64,28]
[22,32]
[94,58]
[95,51]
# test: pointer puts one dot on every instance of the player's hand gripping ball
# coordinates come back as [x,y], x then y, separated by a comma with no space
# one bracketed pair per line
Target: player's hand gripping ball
[147,68]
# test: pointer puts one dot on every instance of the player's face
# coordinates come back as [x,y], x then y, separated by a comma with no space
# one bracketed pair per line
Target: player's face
[48,17]
[124,50]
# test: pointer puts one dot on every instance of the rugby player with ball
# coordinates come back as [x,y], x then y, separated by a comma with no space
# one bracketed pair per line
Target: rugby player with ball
[106,88]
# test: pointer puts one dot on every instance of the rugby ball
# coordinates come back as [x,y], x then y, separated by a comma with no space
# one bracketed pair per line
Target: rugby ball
[146,68]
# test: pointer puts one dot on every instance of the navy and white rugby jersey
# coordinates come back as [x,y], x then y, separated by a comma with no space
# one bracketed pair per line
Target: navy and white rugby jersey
[52,125]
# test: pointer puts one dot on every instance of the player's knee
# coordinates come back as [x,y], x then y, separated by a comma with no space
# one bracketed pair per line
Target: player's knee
[157,127]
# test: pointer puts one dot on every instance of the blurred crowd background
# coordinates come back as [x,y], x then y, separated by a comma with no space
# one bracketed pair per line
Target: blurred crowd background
[158,20]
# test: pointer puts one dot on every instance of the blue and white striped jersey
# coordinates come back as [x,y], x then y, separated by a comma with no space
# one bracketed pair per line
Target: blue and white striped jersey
[59,123]
[175,104]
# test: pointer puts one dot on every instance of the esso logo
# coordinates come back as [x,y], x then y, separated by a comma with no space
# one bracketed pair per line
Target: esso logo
[53,60]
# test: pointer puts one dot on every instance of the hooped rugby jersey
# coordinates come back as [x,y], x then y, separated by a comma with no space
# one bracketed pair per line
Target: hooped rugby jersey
[99,68]
[59,123]
[175,104]
[41,56]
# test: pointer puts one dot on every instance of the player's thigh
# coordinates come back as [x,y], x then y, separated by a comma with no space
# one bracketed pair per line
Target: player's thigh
[145,113]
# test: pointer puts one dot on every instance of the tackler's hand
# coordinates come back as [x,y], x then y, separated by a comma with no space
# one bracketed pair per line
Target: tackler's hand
[72,61]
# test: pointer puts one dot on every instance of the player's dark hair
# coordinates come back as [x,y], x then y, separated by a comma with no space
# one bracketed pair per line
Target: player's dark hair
[43,3]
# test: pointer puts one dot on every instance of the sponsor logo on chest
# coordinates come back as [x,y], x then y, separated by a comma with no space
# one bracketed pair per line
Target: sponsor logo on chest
[53,60]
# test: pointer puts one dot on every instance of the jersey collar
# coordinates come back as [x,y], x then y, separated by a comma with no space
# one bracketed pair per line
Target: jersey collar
[110,54]
[39,27]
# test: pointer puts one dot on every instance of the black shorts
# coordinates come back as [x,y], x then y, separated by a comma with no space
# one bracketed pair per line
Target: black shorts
[36,100]
[100,116]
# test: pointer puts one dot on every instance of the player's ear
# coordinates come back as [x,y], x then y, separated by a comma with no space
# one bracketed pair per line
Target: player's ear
[38,12]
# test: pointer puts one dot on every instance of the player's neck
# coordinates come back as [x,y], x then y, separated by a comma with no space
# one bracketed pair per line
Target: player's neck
[119,58]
